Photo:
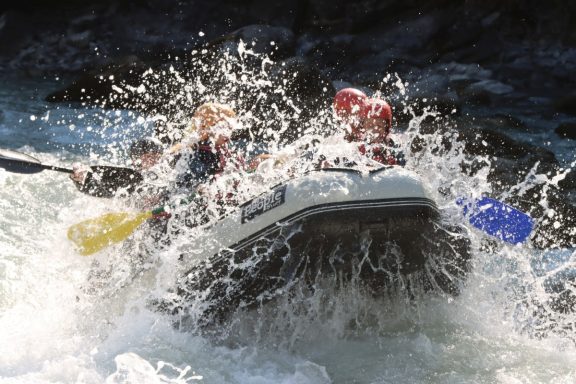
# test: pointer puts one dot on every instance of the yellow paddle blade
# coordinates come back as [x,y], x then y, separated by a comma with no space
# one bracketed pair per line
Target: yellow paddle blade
[90,236]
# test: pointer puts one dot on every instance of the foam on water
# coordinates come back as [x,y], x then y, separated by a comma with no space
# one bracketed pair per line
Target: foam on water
[72,319]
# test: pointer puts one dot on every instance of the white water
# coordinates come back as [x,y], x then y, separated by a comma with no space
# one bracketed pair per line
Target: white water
[61,324]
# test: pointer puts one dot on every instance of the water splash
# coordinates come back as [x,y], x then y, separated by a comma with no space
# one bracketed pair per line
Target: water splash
[63,311]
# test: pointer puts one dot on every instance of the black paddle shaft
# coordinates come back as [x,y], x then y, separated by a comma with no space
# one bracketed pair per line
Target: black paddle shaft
[17,162]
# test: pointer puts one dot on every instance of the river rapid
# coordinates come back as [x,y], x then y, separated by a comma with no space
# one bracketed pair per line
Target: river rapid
[61,324]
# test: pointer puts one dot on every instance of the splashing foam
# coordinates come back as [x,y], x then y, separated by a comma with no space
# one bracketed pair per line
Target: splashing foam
[274,119]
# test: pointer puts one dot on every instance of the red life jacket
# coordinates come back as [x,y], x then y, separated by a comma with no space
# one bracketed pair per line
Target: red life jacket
[378,153]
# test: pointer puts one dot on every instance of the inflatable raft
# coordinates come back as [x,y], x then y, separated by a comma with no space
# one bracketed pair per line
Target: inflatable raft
[370,228]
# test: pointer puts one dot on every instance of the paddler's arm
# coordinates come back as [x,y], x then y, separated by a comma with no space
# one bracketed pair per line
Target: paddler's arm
[396,153]
[256,161]
[389,153]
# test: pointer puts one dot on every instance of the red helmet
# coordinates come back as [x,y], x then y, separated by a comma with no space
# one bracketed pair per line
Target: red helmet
[350,101]
[379,109]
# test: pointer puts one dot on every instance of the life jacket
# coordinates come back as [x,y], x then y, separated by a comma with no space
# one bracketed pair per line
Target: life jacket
[207,161]
[387,154]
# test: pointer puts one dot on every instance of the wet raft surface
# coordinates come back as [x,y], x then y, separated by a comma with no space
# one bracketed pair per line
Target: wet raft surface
[379,245]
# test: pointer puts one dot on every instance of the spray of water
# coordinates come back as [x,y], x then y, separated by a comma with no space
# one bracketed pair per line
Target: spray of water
[111,301]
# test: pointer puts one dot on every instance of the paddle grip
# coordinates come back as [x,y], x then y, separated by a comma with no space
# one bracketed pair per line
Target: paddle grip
[160,213]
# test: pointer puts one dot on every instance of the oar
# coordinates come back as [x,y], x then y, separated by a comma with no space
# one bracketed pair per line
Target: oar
[498,219]
[92,235]
[489,215]
[17,162]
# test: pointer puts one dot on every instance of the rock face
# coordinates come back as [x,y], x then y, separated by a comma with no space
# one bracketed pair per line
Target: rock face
[100,86]
[509,66]
[567,130]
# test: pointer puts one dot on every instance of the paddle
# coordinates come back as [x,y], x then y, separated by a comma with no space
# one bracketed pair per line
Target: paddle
[92,235]
[109,178]
[17,162]
[489,215]
[498,219]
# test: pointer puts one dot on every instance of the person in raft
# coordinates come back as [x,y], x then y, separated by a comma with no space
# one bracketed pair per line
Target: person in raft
[369,122]
[144,153]
[200,157]
[203,157]
[205,153]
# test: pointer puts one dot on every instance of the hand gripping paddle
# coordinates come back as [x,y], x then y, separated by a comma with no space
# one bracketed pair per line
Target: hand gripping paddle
[17,162]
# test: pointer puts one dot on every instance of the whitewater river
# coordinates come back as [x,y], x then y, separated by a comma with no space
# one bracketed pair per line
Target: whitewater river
[60,324]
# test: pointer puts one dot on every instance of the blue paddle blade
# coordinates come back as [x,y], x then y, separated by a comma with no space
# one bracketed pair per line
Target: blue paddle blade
[499,219]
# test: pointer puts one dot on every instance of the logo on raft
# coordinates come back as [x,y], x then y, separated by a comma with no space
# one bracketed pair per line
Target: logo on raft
[259,205]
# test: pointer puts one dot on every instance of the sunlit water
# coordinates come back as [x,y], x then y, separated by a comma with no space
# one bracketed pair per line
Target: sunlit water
[65,318]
